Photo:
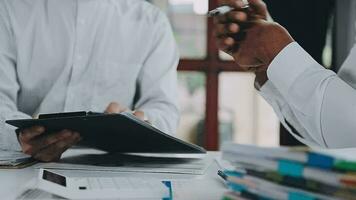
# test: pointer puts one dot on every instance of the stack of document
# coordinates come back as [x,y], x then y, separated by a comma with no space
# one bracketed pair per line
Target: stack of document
[287,173]
[13,159]
[91,160]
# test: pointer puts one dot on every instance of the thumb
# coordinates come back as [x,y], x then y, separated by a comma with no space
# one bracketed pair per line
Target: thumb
[259,8]
[139,114]
[114,107]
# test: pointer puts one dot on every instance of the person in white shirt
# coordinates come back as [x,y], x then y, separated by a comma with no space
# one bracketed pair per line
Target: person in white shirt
[75,55]
[316,105]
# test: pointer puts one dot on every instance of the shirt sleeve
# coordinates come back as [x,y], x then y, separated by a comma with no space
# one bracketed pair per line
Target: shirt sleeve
[9,88]
[285,114]
[157,82]
[314,101]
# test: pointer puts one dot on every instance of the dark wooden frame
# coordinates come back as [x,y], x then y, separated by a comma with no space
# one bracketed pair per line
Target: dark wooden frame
[212,65]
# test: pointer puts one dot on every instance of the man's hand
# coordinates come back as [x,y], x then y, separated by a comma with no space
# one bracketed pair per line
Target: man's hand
[228,26]
[115,107]
[261,43]
[249,38]
[48,147]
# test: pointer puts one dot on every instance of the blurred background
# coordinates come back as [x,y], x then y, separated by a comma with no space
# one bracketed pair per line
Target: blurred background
[218,101]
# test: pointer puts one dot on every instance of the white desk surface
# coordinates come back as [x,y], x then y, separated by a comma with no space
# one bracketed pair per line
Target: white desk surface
[207,186]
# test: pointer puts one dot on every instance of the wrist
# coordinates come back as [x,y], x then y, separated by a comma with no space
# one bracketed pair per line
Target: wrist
[280,38]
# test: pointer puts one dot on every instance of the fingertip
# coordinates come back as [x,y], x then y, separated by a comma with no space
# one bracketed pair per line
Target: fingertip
[114,104]
[139,114]
[240,16]
[234,28]
[240,4]
[229,41]
[38,129]
[113,107]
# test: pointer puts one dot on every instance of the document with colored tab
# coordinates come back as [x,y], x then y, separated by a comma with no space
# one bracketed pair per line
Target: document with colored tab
[244,183]
[287,173]
[304,155]
[287,168]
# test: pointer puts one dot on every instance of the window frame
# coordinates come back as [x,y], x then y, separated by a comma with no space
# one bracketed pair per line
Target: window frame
[212,65]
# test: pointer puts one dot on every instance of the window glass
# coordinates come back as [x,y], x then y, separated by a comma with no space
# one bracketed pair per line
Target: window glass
[189,24]
[192,96]
[248,118]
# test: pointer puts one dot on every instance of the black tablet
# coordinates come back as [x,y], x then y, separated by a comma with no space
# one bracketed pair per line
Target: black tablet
[111,132]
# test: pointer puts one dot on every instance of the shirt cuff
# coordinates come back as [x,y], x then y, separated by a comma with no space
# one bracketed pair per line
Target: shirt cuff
[285,114]
[269,92]
[288,65]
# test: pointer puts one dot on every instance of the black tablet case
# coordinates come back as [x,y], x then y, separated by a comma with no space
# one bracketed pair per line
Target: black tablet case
[111,132]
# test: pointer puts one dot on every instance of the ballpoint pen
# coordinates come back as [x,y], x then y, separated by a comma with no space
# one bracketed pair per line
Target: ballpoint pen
[222,10]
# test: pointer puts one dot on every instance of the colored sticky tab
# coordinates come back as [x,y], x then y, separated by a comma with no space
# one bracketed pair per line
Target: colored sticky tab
[290,168]
[236,187]
[321,161]
[299,196]
[233,173]
[227,198]
[169,185]
[345,165]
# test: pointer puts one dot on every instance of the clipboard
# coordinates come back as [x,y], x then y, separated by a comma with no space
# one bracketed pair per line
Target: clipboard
[123,132]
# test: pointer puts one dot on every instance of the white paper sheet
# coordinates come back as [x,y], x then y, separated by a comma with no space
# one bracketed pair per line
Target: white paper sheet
[99,161]
[13,158]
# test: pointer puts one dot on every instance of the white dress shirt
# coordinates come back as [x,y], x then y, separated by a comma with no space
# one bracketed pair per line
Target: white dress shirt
[316,105]
[72,55]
